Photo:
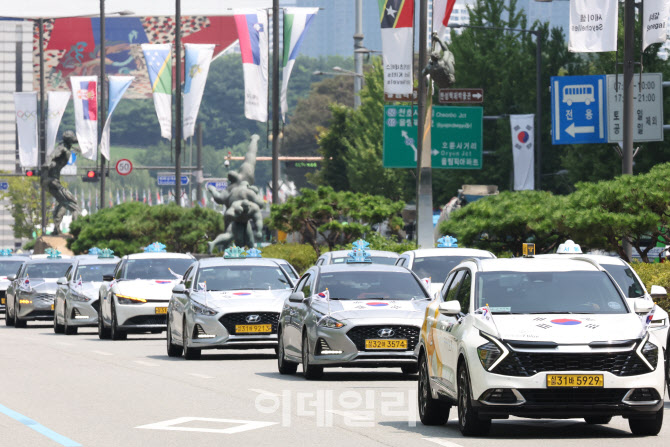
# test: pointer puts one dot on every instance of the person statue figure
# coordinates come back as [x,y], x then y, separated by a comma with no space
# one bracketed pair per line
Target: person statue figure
[65,201]
[242,218]
[441,65]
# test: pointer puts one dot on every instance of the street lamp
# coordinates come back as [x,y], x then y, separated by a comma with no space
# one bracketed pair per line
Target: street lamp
[538,89]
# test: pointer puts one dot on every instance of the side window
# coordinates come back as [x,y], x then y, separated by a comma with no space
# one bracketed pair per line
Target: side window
[319,261]
[400,262]
[307,287]
[464,292]
[301,283]
[452,292]
[188,277]
[69,274]
[118,270]
[445,286]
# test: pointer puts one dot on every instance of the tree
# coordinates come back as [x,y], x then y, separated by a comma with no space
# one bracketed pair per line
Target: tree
[337,217]
[25,205]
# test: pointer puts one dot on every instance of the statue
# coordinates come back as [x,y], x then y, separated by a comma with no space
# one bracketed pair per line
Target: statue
[441,65]
[65,201]
[243,204]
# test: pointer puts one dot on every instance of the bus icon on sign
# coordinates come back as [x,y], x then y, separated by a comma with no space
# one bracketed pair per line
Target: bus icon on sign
[578,93]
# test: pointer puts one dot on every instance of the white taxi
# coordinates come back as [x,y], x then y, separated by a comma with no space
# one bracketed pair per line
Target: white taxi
[538,338]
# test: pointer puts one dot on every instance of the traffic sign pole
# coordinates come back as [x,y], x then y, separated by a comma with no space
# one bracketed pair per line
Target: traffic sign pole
[628,68]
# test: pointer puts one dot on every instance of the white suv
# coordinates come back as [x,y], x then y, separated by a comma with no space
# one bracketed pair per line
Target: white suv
[538,338]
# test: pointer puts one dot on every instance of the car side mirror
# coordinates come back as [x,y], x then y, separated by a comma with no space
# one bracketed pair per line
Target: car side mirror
[108,278]
[450,308]
[643,306]
[658,292]
[62,281]
[11,277]
[179,288]
[296,297]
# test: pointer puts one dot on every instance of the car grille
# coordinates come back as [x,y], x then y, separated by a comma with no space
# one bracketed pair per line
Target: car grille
[574,396]
[526,364]
[44,298]
[144,320]
[230,320]
[359,334]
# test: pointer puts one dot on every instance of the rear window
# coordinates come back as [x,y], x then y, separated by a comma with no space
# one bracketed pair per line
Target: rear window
[385,260]
[94,272]
[371,285]
[48,270]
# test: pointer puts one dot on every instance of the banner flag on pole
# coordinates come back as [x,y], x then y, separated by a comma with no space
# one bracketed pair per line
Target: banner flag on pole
[117,87]
[85,97]
[593,25]
[654,22]
[57,102]
[196,66]
[159,65]
[252,31]
[397,18]
[296,23]
[523,150]
[442,10]
[25,104]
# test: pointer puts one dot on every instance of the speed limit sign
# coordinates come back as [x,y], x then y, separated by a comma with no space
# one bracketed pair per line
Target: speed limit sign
[124,167]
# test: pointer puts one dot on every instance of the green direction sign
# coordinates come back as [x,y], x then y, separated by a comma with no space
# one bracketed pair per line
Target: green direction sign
[456,137]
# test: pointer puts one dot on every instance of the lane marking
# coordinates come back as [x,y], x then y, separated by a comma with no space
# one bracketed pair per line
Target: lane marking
[240,425]
[102,353]
[268,393]
[202,376]
[442,442]
[39,428]
[142,362]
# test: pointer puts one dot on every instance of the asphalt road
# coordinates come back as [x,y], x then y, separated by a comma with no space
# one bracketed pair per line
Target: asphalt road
[60,390]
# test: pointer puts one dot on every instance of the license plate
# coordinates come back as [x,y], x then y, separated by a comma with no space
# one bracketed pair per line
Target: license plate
[575,380]
[385,344]
[2,301]
[248,328]
[161,310]
[52,307]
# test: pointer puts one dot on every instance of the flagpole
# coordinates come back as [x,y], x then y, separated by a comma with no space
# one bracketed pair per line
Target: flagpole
[178,112]
[275,101]
[101,118]
[43,193]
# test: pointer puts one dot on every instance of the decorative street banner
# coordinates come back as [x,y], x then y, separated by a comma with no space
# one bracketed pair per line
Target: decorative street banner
[523,151]
[397,18]
[196,67]
[159,65]
[57,102]
[442,10]
[593,25]
[117,87]
[296,23]
[654,19]
[456,137]
[85,98]
[252,31]
[26,125]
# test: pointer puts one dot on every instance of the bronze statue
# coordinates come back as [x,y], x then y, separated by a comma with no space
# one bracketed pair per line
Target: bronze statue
[65,201]
[441,65]
[243,204]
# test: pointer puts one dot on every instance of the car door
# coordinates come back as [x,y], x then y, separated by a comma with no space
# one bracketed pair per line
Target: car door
[11,291]
[296,311]
[180,302]
[457,332]
[106,304]
[435,356]
[61,293]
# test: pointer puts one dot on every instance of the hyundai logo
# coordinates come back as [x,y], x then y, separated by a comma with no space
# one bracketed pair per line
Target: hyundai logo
[386,332]
[253,318]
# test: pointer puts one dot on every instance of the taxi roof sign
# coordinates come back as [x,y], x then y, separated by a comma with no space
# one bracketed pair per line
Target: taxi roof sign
[569,247]
[528,250]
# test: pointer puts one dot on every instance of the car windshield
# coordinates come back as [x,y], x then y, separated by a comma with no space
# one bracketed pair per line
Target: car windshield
[624,276]
[46,270]
[436,267]
[94,272]
[242,277]
[576,292]
[352,285]
[9,267]
[375,260]
[155,268]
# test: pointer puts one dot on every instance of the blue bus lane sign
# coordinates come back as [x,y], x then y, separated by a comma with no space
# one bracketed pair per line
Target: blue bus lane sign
[578,109]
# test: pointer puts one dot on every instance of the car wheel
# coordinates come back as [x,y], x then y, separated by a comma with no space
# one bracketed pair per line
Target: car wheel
[598,420]
[189,353]
[431,411]
[284,366]
[68,329]
[9,319]
[103,332]
[58,328]
[468,421]
[173,350]
[115,332]
[310,372]
[18,322]
[649,426]
[410,369]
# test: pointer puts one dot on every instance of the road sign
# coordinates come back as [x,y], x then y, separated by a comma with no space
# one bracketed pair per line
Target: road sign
[402,97]
[4,186]
[648,104]
[218,184]
[456,137]
[169,180]
[578,109]
[124,166]
[461,95]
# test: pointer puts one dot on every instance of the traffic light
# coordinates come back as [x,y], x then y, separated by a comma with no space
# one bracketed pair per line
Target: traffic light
[91,176]
[32,173]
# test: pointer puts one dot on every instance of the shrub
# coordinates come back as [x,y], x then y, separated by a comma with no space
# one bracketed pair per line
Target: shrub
[655,274]
[300,256]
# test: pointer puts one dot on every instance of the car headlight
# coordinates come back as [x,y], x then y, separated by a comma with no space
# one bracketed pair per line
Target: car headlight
[125,299]
[202,309]
[330,322]
[79,297]
[490,353]
[649,352]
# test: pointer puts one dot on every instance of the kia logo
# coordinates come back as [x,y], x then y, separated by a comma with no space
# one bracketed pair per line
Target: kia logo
[253,318]
[386,332]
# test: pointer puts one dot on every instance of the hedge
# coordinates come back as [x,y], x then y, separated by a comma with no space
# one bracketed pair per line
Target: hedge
[655,274]
[300,256]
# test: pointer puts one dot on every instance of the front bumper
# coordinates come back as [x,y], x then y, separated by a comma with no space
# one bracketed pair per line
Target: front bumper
[143,317]
[35,307]
[82,314]
[219,331]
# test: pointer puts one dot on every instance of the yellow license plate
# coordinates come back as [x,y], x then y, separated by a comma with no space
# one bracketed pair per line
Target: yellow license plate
[249,328]
[161,310]
[2,301]
[52,307]
[385,344]
[575,380]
